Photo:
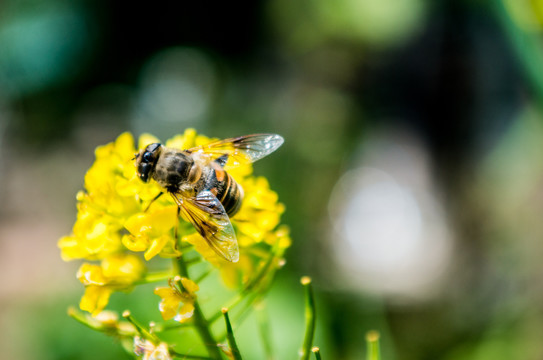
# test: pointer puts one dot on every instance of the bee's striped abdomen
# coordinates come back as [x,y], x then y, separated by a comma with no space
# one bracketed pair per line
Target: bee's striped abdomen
[227,190]
[233,196]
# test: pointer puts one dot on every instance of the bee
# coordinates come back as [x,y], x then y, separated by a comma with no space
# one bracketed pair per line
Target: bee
[205,193]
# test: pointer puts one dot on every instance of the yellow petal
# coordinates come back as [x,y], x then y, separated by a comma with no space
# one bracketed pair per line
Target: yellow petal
[70,248]
[183,142]
[164,292]
[163,219]
[90,274]
[169,250]
[185,312]
[154,223]
[203,248]
[170,302]
[238,172]
[157,244]
[189,285]
[136,224]
[123,269]
[200,139]
[124,145]
[104,151]
[146,139]
[95,299]
[128,186]
[135,243]
[178,142]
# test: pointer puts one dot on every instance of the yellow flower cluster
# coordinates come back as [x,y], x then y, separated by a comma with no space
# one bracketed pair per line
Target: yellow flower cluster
[118,219]
[117,272]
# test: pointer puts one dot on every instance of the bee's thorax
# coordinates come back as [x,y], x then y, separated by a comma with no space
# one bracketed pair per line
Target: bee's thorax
[172,169]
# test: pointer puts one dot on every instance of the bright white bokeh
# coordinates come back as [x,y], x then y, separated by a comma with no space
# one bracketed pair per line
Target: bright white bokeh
[390,235]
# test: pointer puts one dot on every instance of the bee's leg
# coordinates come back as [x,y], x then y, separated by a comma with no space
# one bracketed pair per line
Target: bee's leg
[176,231]
[152,201]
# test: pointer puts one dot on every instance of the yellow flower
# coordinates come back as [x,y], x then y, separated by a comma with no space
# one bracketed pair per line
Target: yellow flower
[177,301]
[118,272]
[260,212]
[94,237]
[113,195]
[116,201]
[150,231]
[119,216]
[116,215]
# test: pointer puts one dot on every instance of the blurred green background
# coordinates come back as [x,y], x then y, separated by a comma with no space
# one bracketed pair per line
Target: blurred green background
[412,170]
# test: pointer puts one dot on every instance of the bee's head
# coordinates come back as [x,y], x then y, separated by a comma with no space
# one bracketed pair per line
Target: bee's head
[146,160]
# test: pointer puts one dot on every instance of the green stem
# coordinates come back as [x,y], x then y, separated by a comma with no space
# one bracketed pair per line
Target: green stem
[247,308]
[154,277]
[317,353]
[372,339]
[163,327]
[200,322]
[143,331]
[187,356]
[164,275]
[310,318]
[231,304]
[82,319]
[236,355]
[264,327]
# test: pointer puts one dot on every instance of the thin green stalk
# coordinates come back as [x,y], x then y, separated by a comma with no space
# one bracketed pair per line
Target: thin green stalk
[164,275]
[164,326]
[317,352]
[239,317]
[310,318]
[143,331]
[187,356]
[202,277]
[84,320]
[154,277]
[372,340]
[236,355]
[200,322]
[264,329]
[245,311]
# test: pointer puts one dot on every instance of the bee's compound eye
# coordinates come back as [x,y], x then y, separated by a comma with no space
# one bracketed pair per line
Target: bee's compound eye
[143,171]
[147,157]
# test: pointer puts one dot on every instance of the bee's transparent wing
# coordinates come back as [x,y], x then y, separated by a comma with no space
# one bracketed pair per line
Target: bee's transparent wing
[211,221]
[241,150]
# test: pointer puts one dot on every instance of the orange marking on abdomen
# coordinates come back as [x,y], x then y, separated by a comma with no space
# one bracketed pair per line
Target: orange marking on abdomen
[220,174]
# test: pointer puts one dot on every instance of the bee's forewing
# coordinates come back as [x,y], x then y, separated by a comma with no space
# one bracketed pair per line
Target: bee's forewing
[211,221]
[243,149]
